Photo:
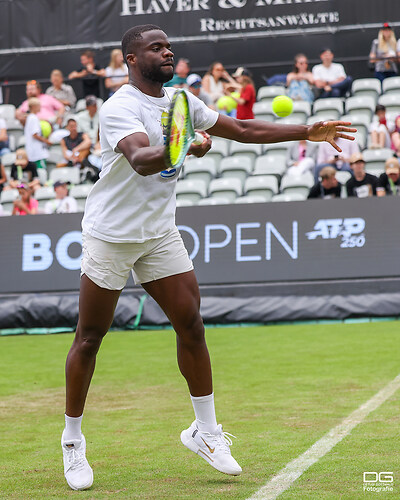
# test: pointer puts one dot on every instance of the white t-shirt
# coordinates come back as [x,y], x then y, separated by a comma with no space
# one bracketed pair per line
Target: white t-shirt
[335,71]
[36,150]
[124,206]
[3,123]
[117,74]
[67,205]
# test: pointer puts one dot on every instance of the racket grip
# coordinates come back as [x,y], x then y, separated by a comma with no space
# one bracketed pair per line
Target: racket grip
[199,138]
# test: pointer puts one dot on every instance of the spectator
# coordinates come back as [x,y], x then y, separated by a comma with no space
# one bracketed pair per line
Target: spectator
[116,72]
[331,77]
[4,145]
[75,146]
[396,136]
[389,181]
[3,177]
[62,203]
[217,81]
[193,82]
[88,120]
[381,129]
[361,185]
[329,157]
[244,110]
[35,143]
[51,109]
[89,73]
[182,70]
[23,171]
[25,204]
[383,53]
[301,157]
[60,90]
[327,187]
[300,80]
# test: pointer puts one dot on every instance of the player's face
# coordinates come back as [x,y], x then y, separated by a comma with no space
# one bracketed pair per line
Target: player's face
[154,57]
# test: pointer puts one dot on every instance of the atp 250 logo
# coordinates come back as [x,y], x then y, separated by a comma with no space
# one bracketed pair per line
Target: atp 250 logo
[349,230]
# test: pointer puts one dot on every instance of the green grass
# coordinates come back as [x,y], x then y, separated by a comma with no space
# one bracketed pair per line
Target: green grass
[278,388]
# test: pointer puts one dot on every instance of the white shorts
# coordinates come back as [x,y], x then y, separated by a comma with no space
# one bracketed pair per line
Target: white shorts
[109,264]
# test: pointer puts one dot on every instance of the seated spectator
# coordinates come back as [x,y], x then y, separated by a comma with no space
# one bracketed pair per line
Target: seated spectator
[361,185]
[88,119]
[327,187]
[63,203]
[51,109]
[3,177]
[301,157]
[116,72]
[182,69]
[329,157]
[383,53]
[25,204]
[75,147]
[4,145]
[396,136]
[331,77]
[381,129]
[193,82]
[300,80]
[217,82]
[245,102]
[24,172]
[60,90]
[35,143]
[89,73]
[389,181]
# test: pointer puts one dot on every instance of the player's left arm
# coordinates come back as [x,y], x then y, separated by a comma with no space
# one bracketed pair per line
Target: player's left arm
[263,132]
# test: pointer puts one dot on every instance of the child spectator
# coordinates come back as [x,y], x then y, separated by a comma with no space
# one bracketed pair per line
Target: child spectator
[328,187]
[381,129]
[244,110]
[116,72]
[60,90]
[389,181]
[23,172]
[361,185]
[35,143]
[396,136]
[25,204]
[4,146]
[63,203]
[383,53]
[300,80]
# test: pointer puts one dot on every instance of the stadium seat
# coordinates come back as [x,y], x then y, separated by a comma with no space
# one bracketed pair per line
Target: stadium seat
[217,200]
[375,160]
[81,104]
[21,142]
[391,85]
[332,107]
[292,120]
[297,184]
[321,117]
[244,200]
[184,203]
[238,166]
[343,176]
[42,174]
[276,148]
[226,188]
[80,193]
[270,164]
[250,150]
[201,168]
[261,185]
[65,174]
[7,112]
[366,86]
[391,101]
[219,149]
[14,135]
[289,197]
[362,105]
[263,111]
[192,190]
[7,198]
[358,121]
[268,93]
[43,195]
[8,159]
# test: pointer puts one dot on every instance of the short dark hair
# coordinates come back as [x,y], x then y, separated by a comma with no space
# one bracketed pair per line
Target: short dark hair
[71,120]
[134,34]
[380,107]
[88,53]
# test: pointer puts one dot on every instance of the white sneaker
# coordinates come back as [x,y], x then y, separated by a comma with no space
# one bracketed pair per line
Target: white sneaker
[214,448]
[77,471]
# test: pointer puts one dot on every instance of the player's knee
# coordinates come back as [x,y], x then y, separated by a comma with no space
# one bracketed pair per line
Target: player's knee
[89,342]
[191,329]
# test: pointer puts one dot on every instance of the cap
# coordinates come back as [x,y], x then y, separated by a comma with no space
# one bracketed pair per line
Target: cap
[60,183]
[386,26]
[90,100]
[193,79]
[392,166]
[241,72]
[355,157]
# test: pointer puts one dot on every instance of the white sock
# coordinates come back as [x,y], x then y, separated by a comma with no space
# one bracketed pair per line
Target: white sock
[205,413]
[72,428]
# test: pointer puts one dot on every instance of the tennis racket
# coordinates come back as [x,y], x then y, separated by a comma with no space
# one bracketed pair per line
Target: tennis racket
[180,133]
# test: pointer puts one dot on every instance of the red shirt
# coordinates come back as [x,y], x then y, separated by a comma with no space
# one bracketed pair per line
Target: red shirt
[31,205]
[245,111]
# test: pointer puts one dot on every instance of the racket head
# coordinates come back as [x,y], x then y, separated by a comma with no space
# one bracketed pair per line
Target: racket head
[180,133]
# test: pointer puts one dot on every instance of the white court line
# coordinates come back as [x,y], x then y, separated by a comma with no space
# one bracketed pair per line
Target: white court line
[294,469]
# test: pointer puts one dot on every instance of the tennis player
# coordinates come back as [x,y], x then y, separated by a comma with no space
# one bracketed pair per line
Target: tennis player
[129,226]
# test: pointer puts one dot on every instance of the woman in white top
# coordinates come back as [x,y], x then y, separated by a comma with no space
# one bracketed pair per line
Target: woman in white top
[217,81]
[116,72]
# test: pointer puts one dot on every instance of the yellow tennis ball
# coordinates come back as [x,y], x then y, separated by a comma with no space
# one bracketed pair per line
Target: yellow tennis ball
[226,103]
[46,128]
[282,105]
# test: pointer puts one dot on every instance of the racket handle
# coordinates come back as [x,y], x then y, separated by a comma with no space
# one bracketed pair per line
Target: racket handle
[198,139]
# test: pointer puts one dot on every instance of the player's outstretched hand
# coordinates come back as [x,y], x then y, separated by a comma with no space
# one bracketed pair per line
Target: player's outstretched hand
[199,150]
[329,131]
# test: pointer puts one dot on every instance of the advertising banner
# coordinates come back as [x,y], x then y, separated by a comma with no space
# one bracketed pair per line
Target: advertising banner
[258,243]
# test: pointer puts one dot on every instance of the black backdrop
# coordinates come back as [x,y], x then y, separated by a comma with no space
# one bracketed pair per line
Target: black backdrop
[39,35]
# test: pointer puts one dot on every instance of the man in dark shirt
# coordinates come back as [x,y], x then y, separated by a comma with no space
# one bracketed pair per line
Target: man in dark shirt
[89,73]
[327,187]
[389,181]
[361,185]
